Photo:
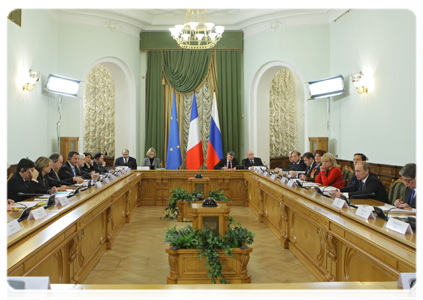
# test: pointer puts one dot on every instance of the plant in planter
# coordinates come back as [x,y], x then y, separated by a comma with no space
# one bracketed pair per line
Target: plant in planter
[219,196]
[179,194]
[207,243]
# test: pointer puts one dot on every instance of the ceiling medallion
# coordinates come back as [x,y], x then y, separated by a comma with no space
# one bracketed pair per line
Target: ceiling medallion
[196,34]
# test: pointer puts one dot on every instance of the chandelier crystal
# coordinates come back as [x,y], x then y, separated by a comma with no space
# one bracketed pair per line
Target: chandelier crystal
[195,34]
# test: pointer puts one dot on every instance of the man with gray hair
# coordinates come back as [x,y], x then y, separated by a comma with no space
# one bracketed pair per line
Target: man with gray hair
[126,160]
[368,185]
[408,174]
[228,163]
[80,172]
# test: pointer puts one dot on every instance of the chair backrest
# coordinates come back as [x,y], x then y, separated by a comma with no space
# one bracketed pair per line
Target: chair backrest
[397,190]
[347,173]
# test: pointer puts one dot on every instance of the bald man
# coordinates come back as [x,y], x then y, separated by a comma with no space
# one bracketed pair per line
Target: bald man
[251,160]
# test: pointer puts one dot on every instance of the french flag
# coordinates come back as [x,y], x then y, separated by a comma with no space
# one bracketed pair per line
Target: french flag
[195,157]
[215,151]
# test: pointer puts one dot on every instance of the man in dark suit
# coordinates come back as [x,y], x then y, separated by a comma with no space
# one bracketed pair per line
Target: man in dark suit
[99,164]
[251,160]
[228,163]
[126,160]
[296,165]
[366,184]
[313,169]
[356,159]
[408,174]
[70,168]
[22,182]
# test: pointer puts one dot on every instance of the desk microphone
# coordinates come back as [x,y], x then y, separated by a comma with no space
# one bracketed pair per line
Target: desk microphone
[298,183]
[348,201]
[31,194]
[363,196]
[390,210]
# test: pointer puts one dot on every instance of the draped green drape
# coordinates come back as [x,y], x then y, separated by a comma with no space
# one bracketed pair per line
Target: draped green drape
[229,100]
[154,104]
[186,70]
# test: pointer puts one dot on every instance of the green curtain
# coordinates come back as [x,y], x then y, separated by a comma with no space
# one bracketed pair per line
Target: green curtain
[229,100]
[186,70]
[154,105]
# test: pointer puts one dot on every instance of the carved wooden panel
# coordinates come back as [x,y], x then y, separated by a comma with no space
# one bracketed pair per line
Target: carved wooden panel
[54,266]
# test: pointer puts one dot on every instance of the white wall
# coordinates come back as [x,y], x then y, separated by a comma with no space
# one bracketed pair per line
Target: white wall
[381,124]
[31,116]
[306,51]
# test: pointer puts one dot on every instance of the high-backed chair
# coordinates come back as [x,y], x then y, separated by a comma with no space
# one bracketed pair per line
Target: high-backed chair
[347,173]
[397,190]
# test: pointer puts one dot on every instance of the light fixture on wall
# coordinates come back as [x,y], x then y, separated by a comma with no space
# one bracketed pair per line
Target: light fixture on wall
[327,87]
[196,34]
[63,86]
[358,80]
[33,77]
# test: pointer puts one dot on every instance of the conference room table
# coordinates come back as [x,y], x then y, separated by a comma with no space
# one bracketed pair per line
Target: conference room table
[335,244]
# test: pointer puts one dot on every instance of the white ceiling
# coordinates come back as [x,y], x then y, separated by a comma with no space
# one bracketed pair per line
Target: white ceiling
[133,21]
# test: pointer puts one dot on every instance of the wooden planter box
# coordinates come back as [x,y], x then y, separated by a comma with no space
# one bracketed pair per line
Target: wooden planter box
[187,268]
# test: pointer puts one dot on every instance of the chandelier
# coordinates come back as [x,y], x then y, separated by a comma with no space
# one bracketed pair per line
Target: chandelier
[195,34]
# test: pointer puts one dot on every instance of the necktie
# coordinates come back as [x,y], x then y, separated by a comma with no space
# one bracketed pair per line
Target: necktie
[73,169]
[252,162]
[412,197]
[126,161]
[229,165]
[360,185]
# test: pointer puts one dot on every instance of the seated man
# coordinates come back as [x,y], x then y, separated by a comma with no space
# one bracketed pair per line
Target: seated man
[69,168]
[251,160]
[23,181]
[366,184]
[296,165]
[278,169]
[228,163]
[99,164]
[126,160]
[356,159]
[80,170]
[313,169]
[408,174]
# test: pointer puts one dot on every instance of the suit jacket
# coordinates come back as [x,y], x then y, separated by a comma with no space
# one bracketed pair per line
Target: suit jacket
[224,162]
[100,169]
[80,172]
[66,172]
[45,181]
[372,185]
[17,185]
[132,162]
[56,181]
[247,163]
[300,166]
[407,197]
[87,168]
[314,170]
[156,162]
[353,179]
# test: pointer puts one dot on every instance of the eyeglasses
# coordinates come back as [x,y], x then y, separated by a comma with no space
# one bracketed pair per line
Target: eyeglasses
[407,179]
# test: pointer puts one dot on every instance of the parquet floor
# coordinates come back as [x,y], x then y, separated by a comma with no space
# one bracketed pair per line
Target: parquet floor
[138,255]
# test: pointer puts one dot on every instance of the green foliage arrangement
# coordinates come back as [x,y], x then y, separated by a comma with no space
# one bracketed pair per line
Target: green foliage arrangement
[207,242]
[219,196]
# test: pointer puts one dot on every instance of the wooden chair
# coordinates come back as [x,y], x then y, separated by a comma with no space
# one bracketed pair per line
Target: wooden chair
[347,173]
[397,190]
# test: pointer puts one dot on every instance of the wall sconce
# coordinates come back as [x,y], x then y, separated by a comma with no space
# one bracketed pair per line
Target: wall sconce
[33,77]
[358,80]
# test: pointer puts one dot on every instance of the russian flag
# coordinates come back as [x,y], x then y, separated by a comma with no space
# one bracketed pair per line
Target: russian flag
[215,151]
[195,157]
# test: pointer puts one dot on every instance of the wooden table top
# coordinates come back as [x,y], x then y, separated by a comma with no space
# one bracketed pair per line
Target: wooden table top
[277,291]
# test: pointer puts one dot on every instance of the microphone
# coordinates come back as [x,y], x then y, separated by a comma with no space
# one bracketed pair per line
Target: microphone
[301,185]
[31,194]
[390,210]
[363,196]
[319,191]
[348,201]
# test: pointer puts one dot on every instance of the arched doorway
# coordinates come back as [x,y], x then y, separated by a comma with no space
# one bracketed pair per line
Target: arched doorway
[259,108]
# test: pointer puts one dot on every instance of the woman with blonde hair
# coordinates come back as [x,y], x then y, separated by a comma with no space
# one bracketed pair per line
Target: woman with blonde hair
[330,173]
[151,160]
[43,166]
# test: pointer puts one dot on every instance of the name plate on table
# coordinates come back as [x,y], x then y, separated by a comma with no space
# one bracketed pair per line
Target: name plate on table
[62,201]
[365,212]
[106,180]
[265,174]
[273,177]
[35,287]
[13,227]
[143,168]
[339,203]
[119,174]
[98,184]
[113,177]
[260,171]
[284,180]
[291,183]
[37,214]
[398,226]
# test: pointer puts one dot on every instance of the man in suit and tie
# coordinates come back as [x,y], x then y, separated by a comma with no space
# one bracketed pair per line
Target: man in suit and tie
[126,160]
[99,164]
[70,168]
[23,181]
[296,165]
[228,163]
[408,174]
[251,161]
[367,183]
[313,169]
